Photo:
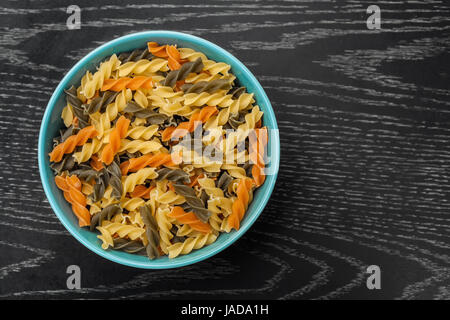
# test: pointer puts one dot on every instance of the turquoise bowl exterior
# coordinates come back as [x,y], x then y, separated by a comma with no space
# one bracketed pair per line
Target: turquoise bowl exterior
[52,123]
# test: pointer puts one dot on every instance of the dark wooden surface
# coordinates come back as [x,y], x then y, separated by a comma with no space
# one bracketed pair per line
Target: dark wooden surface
[364,119]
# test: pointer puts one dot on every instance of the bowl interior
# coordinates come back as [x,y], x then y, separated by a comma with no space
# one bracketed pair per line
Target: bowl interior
[52,123]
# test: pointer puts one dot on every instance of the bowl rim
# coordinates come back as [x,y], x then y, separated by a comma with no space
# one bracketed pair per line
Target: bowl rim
[234,235]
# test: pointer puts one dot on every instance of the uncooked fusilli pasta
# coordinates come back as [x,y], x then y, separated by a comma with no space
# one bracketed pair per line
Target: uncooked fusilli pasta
[145,157]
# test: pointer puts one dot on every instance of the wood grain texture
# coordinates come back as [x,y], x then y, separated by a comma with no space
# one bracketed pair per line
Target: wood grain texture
[364,120]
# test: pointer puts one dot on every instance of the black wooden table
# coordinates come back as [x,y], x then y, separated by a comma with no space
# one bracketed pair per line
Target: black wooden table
[364,118]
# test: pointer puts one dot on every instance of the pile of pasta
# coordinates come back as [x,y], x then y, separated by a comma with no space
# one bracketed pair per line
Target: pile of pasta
[121,164]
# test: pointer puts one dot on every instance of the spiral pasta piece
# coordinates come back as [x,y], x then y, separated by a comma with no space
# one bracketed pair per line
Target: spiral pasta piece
[131,204]
[218,223]
[180,74]
[130,83]
[206,76]
[174,175]
[212,99]
[243,102]
[164,92]
[164,226]
[168,100]
[169,198]
[173,57]
[105,237]
[141,191]
[143,66]
[71,186]
[190,244]
[197,161]
[151,227]
[157,50]
[106,213]
[209,186]
[140,97]
[147,115]
[176,108]
[67,115]
[98,103]
[207,86]
[88,150]
[251,119]
[200,116]
[115,179]
[122,230]
[142,132]
[96,163]
[134,179]
[69,145]
[108,199]
[235,171]
[218,203]
[113,146]
[189,218]
[209,65]
[67,163]
[240,204]
[141,146]
[148,160]
[135,218]
[102,121]
[129,246]
[135,55]
[196,204]
[96,81]
[184,231]
[166,51]
[98,190]
[73,99]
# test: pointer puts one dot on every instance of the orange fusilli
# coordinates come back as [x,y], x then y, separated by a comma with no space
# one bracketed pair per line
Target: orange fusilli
[116,134]
[147,160]
[69,145]
[71,186]
[200,116]
[240,204]
[189,218]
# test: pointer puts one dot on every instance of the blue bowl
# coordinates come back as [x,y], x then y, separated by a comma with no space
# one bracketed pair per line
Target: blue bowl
[52,123]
